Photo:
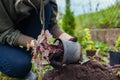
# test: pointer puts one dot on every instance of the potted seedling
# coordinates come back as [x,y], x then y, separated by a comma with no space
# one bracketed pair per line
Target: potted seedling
[91,49]
[87,43]
[115,53]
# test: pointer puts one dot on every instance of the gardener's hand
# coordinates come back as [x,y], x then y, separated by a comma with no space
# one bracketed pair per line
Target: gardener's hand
[57,58]
[31,45]
[24,40]
[65,36]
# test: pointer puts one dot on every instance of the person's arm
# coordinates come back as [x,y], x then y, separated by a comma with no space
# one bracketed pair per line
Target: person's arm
[8,31]
[53,26]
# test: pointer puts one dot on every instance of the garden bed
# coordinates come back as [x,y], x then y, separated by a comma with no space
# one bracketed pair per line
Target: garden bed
[91,70]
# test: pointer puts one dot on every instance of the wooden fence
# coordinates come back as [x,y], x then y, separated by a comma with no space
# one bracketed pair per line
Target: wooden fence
[108,36]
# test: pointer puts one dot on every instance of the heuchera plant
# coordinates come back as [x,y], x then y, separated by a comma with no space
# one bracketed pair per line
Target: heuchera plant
[43,49]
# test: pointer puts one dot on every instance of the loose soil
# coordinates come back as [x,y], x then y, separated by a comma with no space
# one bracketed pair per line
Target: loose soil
[91,70]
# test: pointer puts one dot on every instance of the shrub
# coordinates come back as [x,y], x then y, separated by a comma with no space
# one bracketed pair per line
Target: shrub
[68,21]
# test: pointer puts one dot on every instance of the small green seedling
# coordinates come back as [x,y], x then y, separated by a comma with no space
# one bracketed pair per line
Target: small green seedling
[118,73]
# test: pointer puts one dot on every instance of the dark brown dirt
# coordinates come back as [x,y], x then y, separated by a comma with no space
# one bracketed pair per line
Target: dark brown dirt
[91,70]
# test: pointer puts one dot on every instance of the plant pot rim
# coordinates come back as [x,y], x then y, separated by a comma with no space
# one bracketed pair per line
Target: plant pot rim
[114,51]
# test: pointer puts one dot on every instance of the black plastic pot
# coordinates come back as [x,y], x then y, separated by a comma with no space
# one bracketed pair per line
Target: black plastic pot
[114,58]
[90,53]
[72,51]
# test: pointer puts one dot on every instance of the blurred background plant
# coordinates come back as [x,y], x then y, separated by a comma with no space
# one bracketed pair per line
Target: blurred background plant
[103,48]
[4,77]
[68,20]
[117,45]
[85,40]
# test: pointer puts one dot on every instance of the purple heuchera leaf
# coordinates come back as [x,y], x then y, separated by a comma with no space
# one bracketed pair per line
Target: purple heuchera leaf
[44,48]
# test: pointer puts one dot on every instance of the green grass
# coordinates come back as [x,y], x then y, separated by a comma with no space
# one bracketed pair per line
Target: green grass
[108,18]
[4,77]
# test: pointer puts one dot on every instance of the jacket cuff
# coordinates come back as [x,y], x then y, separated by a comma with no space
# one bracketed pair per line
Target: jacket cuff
[18,34]
[56,31]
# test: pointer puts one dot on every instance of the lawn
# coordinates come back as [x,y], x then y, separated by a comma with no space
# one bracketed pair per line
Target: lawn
[108,18]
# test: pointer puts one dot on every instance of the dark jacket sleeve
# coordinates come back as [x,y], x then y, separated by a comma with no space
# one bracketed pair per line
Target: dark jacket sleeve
[53,26]
[8,31]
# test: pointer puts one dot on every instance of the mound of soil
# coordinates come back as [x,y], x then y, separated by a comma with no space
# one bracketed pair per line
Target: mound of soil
[91,70]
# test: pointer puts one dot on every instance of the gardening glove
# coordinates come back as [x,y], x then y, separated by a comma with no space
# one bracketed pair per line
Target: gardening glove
[65,36]
[74,39]
[57,59]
